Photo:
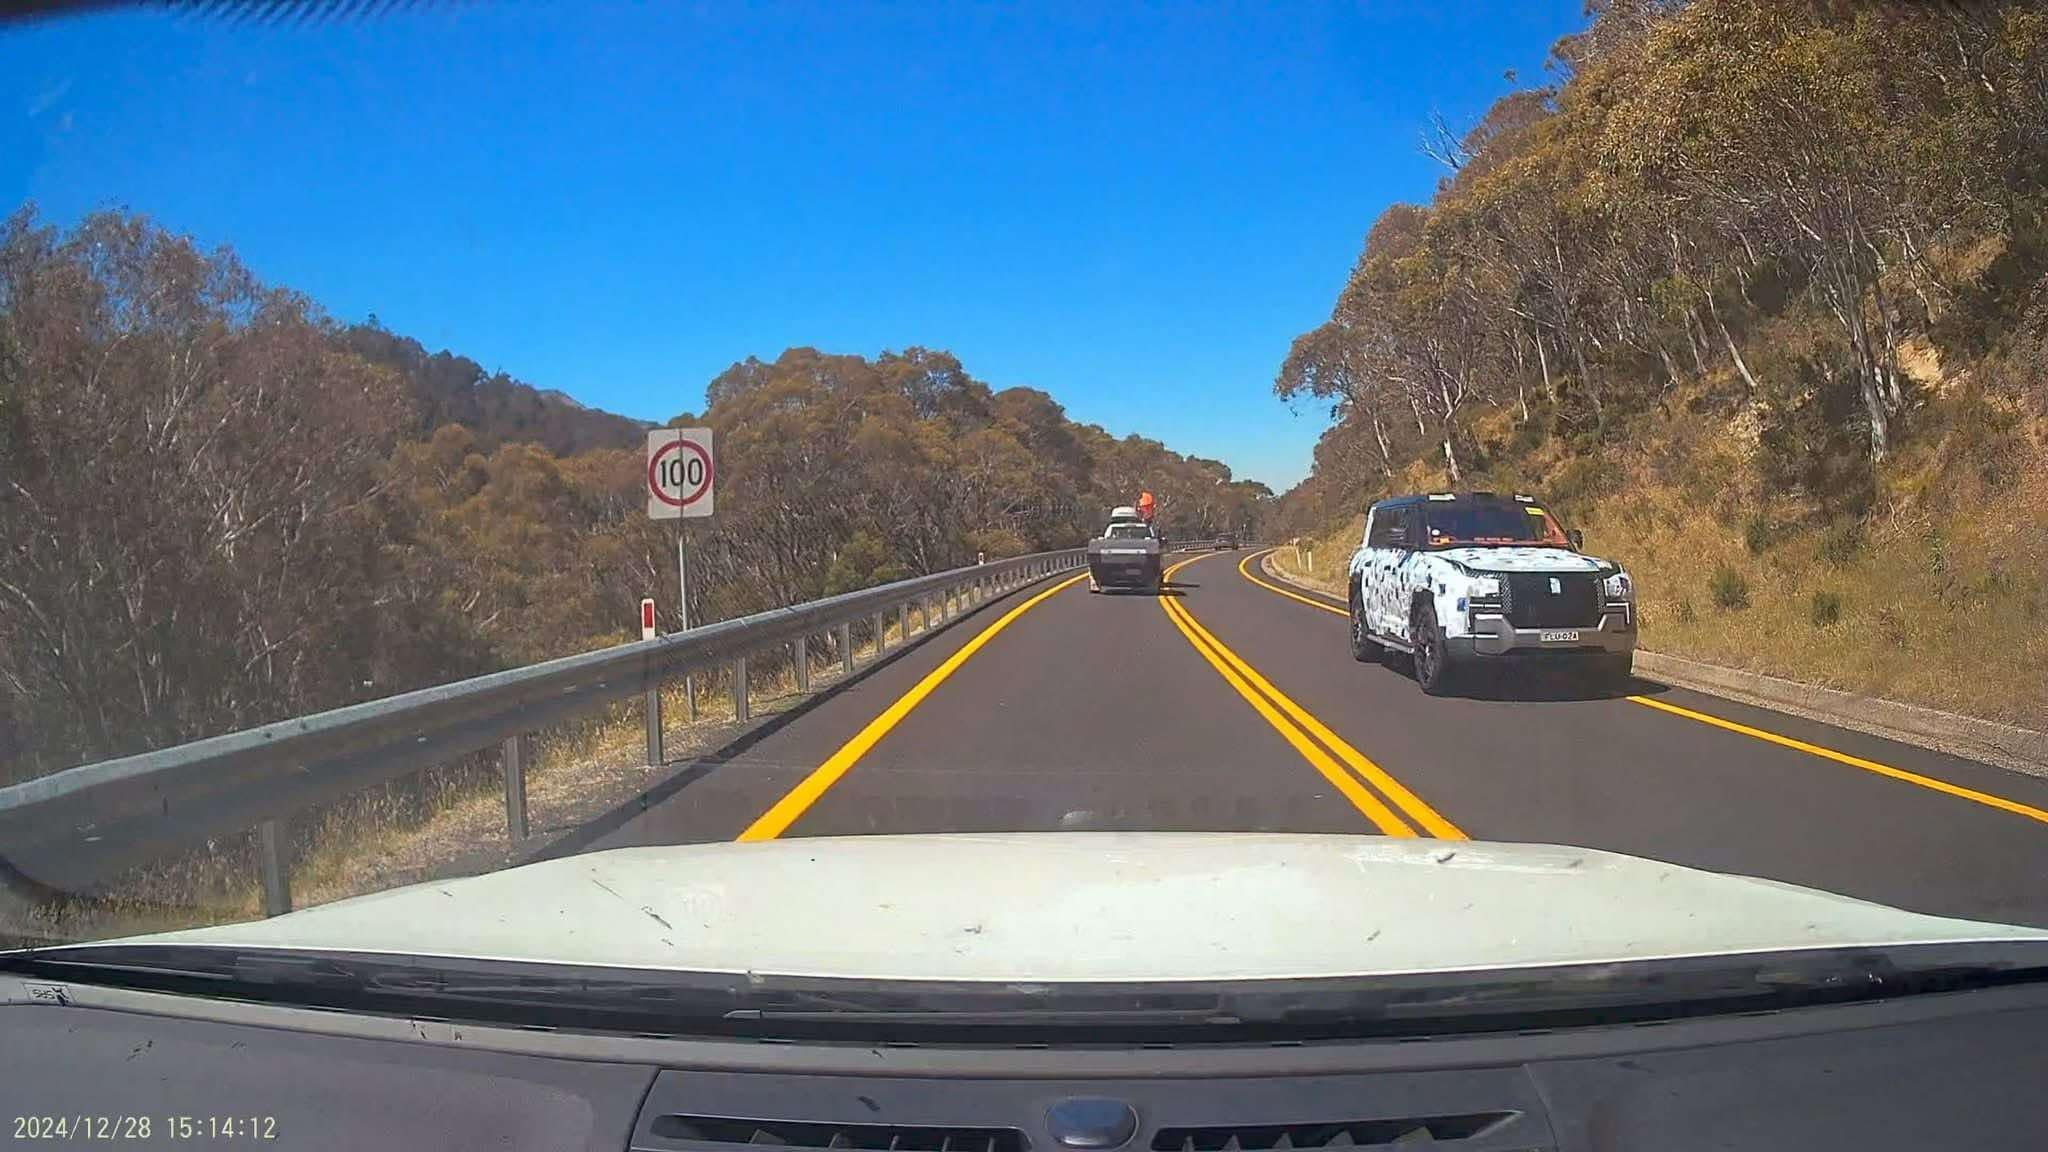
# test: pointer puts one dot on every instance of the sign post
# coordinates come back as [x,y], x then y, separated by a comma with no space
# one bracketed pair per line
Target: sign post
[683,615]
[680,484]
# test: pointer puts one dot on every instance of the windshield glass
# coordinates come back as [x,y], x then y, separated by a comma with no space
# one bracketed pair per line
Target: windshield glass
[1490,522]
[1022,495]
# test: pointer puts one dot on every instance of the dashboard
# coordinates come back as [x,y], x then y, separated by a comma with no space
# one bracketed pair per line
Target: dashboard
[1958,1070]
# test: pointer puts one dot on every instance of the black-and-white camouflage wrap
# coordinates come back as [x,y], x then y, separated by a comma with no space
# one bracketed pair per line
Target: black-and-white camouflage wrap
[1389,578]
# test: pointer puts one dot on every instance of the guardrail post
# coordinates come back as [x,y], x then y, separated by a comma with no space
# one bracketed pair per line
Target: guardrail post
[739,689]
[513,761]
[846,648]
[803,663]
[881,633]
[654,726]
[903,623]
[690,699]
[272,843]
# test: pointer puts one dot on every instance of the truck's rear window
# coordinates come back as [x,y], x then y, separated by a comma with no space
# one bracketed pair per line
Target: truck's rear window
[1490,522]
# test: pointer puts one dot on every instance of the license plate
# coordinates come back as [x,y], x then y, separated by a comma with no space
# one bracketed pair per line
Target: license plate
[1559,636]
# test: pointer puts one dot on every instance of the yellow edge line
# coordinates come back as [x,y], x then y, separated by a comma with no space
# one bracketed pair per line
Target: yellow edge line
[1915,778]
[1367,804]
[1429,818]
[1928,782]
[777,820]
[1244,569]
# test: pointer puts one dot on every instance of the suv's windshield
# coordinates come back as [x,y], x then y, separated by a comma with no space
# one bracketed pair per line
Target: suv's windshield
[1447,525]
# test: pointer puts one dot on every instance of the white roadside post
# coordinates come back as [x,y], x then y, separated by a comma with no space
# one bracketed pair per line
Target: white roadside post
[273,845]
[647,632]
[680,482]
[512,763]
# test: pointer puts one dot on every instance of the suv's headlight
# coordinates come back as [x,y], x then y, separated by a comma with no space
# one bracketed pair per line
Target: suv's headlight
[1483,595]
[1617,587]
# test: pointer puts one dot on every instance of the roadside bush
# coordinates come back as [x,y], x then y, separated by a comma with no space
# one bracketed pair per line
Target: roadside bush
[1891,628]
[1756,535]
[1686,613]
[1826,609]
[1841,543]
[1729,587]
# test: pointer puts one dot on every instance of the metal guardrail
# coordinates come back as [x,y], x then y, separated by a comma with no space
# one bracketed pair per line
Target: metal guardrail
[71,830]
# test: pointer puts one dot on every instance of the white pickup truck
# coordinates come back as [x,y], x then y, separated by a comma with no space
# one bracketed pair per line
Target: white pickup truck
[1463,580]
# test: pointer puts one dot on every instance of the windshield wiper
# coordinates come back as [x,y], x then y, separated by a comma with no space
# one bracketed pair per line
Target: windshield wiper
[576,997]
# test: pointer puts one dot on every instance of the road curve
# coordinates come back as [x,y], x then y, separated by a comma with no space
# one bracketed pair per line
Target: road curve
[1226,705]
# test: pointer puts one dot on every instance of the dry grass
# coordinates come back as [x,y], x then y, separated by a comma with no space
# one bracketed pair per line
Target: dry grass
[1937,595]
[1323,559]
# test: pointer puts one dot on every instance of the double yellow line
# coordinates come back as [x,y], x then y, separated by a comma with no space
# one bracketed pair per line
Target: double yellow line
[1322,748]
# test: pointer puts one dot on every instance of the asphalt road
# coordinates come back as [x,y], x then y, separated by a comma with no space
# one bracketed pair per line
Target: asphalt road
[1228,706]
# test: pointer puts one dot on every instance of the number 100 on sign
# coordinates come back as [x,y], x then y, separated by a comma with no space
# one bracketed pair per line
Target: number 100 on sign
[680,473]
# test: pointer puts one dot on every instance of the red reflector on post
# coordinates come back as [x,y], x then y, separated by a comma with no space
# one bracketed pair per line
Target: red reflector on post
[647,619]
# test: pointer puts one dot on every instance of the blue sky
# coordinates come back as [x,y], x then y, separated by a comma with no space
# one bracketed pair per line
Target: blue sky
[1133,208]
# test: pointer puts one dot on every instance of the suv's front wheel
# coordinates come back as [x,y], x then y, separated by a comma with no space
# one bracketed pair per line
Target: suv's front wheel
[1432,656]
[1363,648]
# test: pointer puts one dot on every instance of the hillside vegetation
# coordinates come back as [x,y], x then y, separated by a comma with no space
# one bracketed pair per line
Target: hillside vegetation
[219,507]
[1754,293]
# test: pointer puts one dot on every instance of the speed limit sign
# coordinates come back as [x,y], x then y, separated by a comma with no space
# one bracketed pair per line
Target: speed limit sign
[679,473]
